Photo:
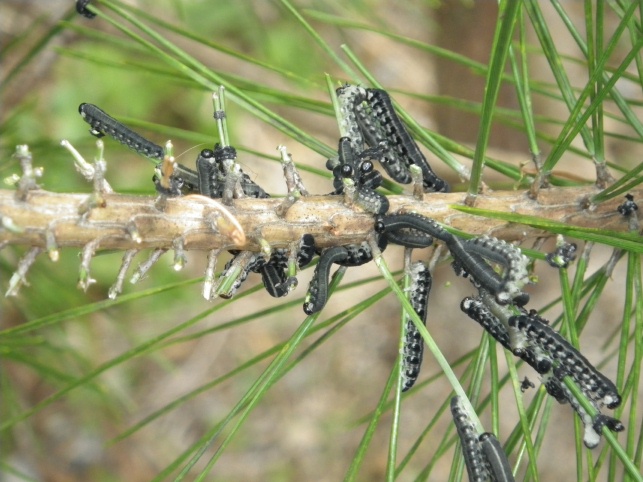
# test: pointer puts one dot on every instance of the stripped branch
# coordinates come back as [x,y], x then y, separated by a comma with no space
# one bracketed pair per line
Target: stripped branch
[72,221]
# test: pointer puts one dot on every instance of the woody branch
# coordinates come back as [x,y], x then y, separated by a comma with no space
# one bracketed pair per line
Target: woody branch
[135,222]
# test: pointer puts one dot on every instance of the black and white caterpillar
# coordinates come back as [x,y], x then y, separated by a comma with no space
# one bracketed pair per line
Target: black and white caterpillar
[484,458]
[413,350]
[103,124]
[368,116]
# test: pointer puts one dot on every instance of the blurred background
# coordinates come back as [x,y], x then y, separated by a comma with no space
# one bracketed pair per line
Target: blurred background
[309,424]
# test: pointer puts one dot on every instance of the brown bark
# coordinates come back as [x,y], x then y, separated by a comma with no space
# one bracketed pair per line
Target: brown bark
[117,221]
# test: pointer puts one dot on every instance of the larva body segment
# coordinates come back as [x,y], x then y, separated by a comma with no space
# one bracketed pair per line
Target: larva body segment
[478,311]
[348,96]
[318,289]
[81,8]
[497,463]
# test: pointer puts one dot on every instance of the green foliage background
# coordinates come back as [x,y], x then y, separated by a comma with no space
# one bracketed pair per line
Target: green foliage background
[131,389]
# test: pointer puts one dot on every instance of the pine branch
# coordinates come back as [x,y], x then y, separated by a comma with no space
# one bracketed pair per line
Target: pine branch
[136,222]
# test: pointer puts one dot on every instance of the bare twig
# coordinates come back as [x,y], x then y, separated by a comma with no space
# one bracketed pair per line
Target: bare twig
[327,218]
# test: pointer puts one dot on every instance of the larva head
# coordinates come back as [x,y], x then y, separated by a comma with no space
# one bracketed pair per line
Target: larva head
[346,171]
[612,400]
[207,153]
[485,436]
[365,167]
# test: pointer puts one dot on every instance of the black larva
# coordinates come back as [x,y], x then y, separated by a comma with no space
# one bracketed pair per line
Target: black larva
[474,459]
[415,231]
[276,281]
[213,166]
[206,168]
[318,289]
[469,260]
[350,255]
[173,179]
[595,385]
[274,271]
[348,96]
[628,207]
[562,256]
[214,169]
[246,262]
[469,264]
[401,229]
[81,8]
[511,258]
[306,251]
[103,124]
[376,136]
[371,201]
[410,238]
[420,228]
[484,457]
[593,426]
[478,312]
[526,384]
[413,350]
[400,141]
[350,165]
[497,463]
[348,157]
[368,116]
